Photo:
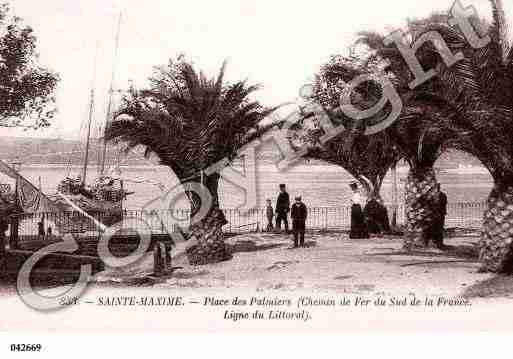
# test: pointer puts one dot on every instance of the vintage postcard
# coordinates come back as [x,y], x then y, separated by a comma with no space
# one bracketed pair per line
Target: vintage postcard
[255,166]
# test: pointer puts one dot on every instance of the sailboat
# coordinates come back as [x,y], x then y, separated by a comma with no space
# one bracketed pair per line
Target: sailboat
[105,196]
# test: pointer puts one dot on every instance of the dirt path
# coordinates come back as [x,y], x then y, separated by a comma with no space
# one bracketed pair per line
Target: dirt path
[332,262]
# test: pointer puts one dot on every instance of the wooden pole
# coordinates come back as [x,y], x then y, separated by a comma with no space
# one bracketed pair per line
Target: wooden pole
[159,259]
[103,152]
[2,239]
[394,196]
[89,120]
[13,240]
[122,193]
[13,235]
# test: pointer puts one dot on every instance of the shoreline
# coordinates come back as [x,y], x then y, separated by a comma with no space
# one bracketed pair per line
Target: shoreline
[266,166]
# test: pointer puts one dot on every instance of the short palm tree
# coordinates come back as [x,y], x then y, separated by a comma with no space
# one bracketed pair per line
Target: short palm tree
[480,88]
[192,122]
[368,161]
[370,158]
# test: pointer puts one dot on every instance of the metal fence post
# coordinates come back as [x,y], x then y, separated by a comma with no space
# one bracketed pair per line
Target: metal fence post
[13,239]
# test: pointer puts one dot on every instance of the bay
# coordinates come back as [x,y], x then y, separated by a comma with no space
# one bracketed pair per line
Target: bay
[319,186]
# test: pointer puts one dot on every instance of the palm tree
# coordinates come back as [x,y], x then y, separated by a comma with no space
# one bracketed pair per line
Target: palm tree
[371,157]
[368,161]
[422,134]
[192,122]
[480,88]
[418,136]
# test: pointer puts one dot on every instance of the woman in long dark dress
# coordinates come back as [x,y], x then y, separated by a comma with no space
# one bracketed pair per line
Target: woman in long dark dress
[358,225]
[372,213]
[376,217]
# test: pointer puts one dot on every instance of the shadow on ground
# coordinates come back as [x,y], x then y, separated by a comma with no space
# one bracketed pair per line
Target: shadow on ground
[251,246]
[500,286]
[52,271]
[190,275]
[281,265]
[308,244]
[464,251]
[39,280]
[463,256]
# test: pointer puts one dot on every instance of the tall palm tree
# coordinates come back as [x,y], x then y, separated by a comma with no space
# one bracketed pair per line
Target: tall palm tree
[418,136]
[422,134]
[480,88]
[192,122]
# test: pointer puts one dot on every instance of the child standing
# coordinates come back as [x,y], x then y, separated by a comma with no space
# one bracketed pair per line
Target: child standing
[270,215]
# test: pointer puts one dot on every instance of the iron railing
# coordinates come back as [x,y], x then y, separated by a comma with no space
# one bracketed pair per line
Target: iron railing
[460,215]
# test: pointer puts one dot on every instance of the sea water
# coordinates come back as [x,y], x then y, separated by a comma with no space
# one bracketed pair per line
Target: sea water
[319,186]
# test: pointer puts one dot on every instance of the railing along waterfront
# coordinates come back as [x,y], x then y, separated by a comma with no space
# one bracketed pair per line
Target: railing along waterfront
[459,215]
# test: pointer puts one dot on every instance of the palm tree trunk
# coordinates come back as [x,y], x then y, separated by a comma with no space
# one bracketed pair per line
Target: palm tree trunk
[375,188]
[421,211]
[207,231]
[496,251]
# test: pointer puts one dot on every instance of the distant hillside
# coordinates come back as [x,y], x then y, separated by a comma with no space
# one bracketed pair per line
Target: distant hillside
[59,151]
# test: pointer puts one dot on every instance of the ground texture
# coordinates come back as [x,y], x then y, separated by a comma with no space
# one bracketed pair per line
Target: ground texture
[329,262]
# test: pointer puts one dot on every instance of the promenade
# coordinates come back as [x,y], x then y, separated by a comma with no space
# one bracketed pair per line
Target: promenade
[331,262]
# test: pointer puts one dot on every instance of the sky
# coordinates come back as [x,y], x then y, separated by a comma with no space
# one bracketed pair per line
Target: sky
[277,43]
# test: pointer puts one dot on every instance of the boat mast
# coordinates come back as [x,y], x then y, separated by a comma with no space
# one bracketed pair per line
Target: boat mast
[111,94]
[90,119]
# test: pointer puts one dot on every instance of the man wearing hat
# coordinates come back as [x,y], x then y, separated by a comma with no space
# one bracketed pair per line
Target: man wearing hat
[298,214]
[282,208]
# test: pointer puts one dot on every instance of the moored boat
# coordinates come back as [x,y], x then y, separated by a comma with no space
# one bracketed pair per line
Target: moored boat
[106,194]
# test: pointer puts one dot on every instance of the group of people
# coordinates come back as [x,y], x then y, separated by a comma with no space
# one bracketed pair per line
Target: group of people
[298,214]
[372,217]
[367,217]
[41,229]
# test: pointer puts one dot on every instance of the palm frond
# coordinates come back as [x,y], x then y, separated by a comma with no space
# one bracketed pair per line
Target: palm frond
[190,121]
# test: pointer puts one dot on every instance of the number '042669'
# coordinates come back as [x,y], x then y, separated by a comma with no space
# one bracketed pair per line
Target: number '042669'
[26,347]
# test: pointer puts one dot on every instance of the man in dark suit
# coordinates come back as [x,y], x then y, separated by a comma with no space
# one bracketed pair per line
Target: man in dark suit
[282,208]
[298,214]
